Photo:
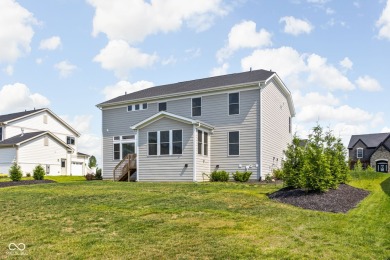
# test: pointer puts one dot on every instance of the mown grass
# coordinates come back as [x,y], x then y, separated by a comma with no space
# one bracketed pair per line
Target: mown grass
[107,220]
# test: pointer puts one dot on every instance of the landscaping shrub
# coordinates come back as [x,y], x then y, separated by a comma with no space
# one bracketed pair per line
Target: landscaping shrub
[92,162]
[28,174]
[89,177]
[241,176]
[359,173]
[319,165]
[38,173]
[98,175]
[219,176]
[277,174]
[2,175]
[15,173]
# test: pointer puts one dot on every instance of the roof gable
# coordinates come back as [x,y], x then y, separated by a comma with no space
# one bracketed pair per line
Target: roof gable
[254,76]
[23,138]
[370,140]
[5,119]
[164,114]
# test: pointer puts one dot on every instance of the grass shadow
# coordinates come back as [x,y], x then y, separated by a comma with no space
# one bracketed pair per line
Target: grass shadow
[385,185]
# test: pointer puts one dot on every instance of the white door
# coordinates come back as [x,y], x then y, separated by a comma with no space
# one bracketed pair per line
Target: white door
[77,168]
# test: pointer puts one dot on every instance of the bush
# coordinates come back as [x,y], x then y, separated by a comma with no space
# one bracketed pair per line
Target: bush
[2,175]
[277,174]
[28,174]
[38,173]
[92,162]
[241,176]
[89,177]
[15,173]
[319,166]
[219,176]
[98,175]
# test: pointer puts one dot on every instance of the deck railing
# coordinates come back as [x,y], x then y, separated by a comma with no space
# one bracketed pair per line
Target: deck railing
[126,167]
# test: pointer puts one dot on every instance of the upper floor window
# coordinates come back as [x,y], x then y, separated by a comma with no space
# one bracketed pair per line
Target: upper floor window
[165,142]
[137,107]
[162,106]
[70,140]
[359,153]
[197,106]
[234,143]
[234,103]
[1,134]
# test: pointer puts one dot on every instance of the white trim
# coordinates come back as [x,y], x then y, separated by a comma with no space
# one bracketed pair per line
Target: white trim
[164,114]
[239,103]
[170,143]
[194,154]
[228,143]
[201,104]
[261,133]
[197,143]
[382,160]
[357,152]
[285,90]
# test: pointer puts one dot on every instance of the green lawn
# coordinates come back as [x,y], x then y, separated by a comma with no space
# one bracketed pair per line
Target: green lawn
[105,220]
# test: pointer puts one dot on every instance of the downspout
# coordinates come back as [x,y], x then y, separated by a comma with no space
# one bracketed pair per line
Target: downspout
[261,85]
[17,154]
[194,151]
[137,152]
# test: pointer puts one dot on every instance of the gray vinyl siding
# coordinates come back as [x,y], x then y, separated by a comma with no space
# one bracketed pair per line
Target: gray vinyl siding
[166,167]
[275,128]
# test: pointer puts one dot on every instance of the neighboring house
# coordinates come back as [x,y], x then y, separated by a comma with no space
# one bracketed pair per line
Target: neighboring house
[370,149]
[182,131]
[39,136]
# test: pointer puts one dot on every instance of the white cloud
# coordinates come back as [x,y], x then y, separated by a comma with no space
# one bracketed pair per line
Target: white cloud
[296,26]
[9,70]
[18,97]
[133,20]
[327,75]
[384,23]
[346,63]
[121,58]
[222,70]
[16,31]
[369,84]
[38,61]
[65,68]
[168,61]
[88,142]
[244,35]
[385,129]
[123,87]
[298,69]
[193,53]
[314,98]
[51,43]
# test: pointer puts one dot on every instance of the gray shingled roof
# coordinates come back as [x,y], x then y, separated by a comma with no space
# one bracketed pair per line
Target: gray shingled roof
[192,85]
[19,138]
[371,140]
[8,117]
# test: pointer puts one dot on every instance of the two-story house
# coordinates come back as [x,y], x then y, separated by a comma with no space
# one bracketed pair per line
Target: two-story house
[370,149]
[182,131]
[39,136]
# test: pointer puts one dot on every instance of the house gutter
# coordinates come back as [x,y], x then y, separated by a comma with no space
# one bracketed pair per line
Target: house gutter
[261,86]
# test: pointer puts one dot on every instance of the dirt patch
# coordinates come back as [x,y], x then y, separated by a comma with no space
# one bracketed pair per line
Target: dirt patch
[19,183]
[342,199]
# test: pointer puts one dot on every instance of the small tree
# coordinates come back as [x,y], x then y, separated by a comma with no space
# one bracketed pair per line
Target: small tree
[92,162]
[38,173]
[15,173]
[292,166]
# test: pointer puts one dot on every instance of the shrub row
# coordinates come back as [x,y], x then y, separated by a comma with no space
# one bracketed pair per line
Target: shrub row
[223,176]
[15,173]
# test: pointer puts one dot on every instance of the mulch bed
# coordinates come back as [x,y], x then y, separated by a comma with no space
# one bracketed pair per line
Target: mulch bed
[5,184]
[339,200]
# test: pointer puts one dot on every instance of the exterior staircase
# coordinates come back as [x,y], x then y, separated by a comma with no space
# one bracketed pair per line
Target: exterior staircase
[125,168]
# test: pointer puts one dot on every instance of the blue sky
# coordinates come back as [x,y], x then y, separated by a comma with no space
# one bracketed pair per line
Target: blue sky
[69,55]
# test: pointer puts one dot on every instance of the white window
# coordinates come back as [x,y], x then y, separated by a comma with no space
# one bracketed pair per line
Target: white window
[70,140]
[137,107]
[203,142]
[197,106]
[165,142]
[359,153]
[234,143]
[1,134]
[234,103]
[123,145]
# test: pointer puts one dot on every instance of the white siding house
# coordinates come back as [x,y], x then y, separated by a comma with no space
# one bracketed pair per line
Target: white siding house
[233,122]
[39,136]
